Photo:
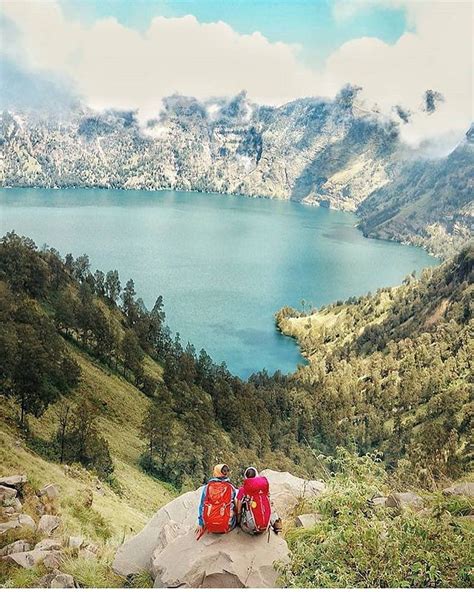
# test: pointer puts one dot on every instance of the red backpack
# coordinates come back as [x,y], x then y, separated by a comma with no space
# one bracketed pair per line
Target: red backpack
[218,506]
[255,517]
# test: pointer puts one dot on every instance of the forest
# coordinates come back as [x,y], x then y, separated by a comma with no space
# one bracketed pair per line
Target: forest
[389,372]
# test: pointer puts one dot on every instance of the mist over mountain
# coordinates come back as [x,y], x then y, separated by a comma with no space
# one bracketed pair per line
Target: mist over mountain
[333,153]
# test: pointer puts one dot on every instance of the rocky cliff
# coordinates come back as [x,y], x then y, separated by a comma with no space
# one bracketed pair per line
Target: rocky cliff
[328,152]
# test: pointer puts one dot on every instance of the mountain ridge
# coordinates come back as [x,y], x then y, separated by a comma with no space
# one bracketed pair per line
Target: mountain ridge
[332,153]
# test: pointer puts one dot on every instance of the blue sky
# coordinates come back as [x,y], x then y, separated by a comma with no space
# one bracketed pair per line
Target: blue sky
[311,23]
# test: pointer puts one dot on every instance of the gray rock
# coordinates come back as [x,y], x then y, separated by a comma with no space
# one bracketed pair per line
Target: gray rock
[49,545]
[466,489]
[86,554]
[50,491]
[15,547]
[20,521]
[307,520]
[62,580]
[235,560]
[75,542]
[52,560]
[26,559]
[7,493]
[48,523]
[13,481]
[377,501]
[407,499]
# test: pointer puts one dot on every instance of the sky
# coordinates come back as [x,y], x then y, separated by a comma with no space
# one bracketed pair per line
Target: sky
[129,54]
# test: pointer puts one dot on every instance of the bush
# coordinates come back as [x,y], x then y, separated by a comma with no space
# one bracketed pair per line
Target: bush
[357,546]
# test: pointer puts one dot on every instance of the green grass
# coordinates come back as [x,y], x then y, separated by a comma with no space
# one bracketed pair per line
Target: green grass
[115,512]
[92,573]
[358,546]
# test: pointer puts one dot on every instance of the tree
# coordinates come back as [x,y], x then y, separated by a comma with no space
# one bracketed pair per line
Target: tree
[63,414]
[112,285]
[157,428]
[132,355]
[128,300]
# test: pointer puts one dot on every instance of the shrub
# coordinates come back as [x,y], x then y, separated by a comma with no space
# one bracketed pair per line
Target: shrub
[358,546]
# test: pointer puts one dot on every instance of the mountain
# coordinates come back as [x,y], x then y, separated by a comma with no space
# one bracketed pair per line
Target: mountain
[429,202]
[332,153]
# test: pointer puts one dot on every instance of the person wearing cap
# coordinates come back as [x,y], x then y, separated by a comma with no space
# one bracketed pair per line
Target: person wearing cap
[220,474]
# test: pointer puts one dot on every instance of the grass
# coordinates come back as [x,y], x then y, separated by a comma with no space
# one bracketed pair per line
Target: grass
[92,573]
[114,513]
[358,546]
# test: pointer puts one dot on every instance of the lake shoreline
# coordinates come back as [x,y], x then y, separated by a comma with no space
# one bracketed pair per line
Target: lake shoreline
[240,262]
[225,193]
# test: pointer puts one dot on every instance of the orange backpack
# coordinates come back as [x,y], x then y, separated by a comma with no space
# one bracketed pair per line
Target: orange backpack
[218,507]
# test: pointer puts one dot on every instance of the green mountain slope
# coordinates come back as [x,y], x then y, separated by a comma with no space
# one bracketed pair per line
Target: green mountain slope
[393,371]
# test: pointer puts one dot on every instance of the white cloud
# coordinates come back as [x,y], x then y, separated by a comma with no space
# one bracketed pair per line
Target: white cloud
[437,55]
[114,66]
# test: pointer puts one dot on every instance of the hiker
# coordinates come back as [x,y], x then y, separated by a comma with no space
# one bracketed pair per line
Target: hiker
[254,509]
[217,512]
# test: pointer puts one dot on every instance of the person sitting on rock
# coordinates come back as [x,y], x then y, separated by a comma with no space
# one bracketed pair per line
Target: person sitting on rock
[254,509]
[217,510]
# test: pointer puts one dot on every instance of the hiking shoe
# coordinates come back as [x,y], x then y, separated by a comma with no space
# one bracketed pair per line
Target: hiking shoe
[277,526]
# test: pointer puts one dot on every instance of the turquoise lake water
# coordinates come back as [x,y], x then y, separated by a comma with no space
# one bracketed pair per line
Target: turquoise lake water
[223,264]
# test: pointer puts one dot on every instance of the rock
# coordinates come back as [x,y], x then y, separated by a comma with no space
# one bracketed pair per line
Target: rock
[234,560]
[135,554]
[62,580]
[377,501]
[168,547]
[26,559]
[307,520]
[466,489]
[52,560]
[15,547]
[20,521]
[48,523]
[286,490]
[49,545]
[13,481]
[7,493]
[50,491]
[407,499]
[75,542]
[86,554]
[8,511]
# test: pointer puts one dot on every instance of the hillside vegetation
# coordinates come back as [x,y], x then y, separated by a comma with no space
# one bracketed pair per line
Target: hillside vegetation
[393,371]
[101,399]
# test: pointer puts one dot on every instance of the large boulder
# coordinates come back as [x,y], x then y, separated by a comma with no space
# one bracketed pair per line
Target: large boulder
[232,560]
[287,490]
[466,489]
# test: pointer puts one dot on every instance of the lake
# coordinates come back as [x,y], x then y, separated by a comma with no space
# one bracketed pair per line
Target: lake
[224,264]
